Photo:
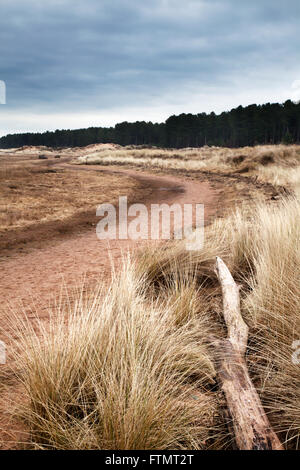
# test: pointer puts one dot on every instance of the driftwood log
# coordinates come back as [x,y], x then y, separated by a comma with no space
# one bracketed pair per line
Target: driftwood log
[249,421]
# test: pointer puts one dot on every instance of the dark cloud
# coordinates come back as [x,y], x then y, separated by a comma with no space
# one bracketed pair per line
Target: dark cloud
[102,55]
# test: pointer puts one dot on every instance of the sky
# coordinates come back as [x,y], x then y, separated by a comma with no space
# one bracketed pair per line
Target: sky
[68,64]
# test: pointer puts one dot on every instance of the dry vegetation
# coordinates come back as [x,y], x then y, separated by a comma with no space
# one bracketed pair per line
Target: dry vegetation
[32,194]
[135,368]
[40,202]
[275,164]
[122,373]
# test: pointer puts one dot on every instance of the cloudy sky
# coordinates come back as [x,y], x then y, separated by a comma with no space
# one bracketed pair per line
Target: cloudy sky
[77,63]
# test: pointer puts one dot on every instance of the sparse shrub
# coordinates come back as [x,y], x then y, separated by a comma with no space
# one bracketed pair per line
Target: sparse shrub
[238,159]
[266,159]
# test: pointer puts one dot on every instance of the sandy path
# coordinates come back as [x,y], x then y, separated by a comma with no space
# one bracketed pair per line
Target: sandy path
[34,279]
[38,275]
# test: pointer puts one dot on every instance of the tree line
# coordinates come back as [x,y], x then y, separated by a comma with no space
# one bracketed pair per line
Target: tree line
[243,126]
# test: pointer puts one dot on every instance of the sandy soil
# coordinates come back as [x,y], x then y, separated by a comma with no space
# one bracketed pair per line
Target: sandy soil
[38,274]
[31,281]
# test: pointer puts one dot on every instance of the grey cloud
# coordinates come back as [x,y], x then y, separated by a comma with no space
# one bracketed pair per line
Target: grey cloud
[91,54]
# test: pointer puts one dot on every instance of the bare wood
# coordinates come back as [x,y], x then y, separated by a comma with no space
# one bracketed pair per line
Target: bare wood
[237,328]
[250,423]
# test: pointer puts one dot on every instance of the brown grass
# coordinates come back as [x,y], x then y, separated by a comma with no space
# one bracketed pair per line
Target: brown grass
[39,202]
[32,195]
[95,379]
[272,309]
[261,245]
[120,372]
[275,164]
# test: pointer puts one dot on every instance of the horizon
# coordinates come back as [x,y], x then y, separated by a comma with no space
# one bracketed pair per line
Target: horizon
[152,122]
[94,64]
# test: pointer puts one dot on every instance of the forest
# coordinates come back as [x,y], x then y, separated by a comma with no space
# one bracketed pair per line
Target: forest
[243,126]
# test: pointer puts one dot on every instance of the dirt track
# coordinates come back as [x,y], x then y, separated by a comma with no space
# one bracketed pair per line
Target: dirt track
[31,281]
[38,275]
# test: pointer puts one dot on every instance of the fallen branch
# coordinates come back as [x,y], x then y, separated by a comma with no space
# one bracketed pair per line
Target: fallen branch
[250,424]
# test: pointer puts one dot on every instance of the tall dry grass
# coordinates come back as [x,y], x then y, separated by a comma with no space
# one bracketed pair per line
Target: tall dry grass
[272,309]
[134,368]
[120,372]
[261,245]
[271,163]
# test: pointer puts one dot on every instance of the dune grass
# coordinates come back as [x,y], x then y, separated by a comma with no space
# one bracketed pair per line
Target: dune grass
[133,368]
[272,309]
[268,163]
[120,372]
[262,248]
